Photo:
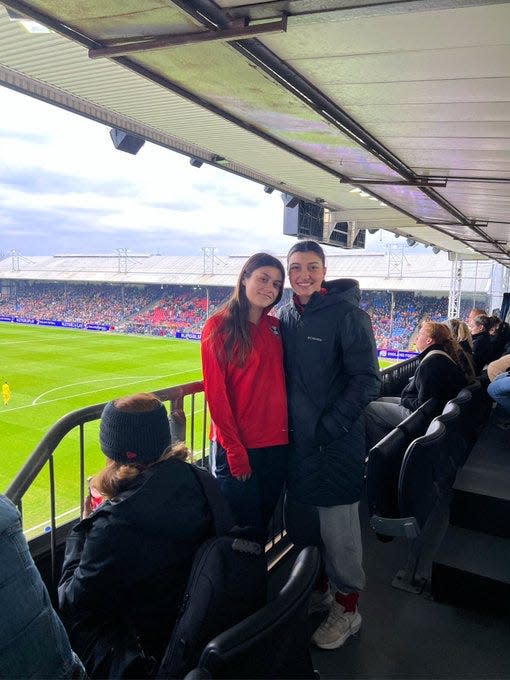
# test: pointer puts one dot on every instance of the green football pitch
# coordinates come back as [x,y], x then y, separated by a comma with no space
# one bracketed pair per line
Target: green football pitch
[52,371]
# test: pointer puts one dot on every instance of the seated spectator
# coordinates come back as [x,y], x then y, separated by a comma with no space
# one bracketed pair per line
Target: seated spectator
[33,641]
[482,351]
[461,333]
[127,562]
[499,390]
[439,375]
[499,332]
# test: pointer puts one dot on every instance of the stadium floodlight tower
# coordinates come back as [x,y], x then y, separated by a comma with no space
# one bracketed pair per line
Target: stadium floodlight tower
[455,288]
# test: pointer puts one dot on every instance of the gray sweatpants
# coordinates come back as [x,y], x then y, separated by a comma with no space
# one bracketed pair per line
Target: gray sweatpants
[337,532]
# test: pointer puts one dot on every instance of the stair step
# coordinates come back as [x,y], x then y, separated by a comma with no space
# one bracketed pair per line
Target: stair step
[472,569]
[481,513]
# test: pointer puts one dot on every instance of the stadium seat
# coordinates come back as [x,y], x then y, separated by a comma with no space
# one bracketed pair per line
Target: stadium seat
[424,492]
[273,642]
[462,436]
[481,403]
[385,459]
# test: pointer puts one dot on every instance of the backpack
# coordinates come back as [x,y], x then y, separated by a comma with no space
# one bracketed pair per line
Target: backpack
[227,583]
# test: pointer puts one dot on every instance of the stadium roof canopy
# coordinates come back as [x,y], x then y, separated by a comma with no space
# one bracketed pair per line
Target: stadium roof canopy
[408,101]
[374,271]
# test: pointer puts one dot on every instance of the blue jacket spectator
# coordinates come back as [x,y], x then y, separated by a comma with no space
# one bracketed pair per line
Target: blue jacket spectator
[33,641]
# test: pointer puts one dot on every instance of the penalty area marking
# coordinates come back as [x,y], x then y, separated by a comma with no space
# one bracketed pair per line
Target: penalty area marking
[88,382]
[36,401]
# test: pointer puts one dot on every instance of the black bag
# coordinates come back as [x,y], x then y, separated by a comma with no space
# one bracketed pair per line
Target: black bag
[227,583]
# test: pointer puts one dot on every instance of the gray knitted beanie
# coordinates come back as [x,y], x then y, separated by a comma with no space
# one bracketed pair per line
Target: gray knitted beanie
[132,438]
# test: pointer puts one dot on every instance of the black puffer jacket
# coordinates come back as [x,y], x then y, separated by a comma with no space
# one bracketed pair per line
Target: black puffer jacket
[332,374]
[129,561]
[482,350]
[437,377]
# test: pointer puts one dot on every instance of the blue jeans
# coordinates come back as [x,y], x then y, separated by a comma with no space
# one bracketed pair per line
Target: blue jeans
[252,502]
[499,390]
[33,642]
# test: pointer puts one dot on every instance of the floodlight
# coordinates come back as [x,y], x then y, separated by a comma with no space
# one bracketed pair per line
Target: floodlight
[196,162]
[410,241]
[124,141]
[436,250]
[268,189]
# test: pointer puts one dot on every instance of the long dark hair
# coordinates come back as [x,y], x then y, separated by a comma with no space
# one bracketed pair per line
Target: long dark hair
[235,325]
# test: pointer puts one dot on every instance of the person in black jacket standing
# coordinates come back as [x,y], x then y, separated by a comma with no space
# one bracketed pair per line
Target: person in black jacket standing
[332,374]
[128,560]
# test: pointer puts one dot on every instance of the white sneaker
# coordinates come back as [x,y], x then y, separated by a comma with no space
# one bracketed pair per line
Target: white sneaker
[338,626]
[320,601]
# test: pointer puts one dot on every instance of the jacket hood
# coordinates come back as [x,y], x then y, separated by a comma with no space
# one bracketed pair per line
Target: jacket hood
[341,290]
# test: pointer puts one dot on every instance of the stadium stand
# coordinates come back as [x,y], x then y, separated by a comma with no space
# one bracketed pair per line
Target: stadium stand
[165,296]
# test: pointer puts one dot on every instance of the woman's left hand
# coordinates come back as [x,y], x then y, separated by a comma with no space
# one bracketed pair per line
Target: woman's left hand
[243,478]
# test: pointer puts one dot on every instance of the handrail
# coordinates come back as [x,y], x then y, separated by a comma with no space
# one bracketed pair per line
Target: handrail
[46,447]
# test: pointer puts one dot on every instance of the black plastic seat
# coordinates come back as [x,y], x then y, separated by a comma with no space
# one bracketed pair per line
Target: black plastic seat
[424,472]
[274,641]
[415,425]
[458,416]
[385,460]
[481,403]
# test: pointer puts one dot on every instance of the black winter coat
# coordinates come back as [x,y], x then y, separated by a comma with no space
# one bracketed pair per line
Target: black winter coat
[482,350]
[332,373]
[128,562]
[438,377]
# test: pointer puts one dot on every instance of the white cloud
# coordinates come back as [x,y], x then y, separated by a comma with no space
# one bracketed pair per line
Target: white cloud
[60,174]
[53,161]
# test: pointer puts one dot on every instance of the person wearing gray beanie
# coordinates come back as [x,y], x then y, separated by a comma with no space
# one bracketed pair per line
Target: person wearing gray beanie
[127,561]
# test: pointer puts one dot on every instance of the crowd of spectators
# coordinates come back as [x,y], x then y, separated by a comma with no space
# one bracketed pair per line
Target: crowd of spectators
[170,309]
[84,303]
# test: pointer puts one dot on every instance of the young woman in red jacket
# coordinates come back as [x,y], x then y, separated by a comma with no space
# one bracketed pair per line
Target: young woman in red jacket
[244,384]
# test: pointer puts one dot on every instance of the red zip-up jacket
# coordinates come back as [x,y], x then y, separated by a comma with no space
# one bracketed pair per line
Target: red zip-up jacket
[248,405]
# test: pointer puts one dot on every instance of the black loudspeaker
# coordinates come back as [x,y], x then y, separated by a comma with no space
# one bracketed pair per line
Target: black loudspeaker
[304,220]
[124,141]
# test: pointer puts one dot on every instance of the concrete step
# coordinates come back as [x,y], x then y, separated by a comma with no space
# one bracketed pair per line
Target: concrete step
[472,569]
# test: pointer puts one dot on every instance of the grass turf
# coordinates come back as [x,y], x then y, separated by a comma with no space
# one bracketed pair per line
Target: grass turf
[53,371]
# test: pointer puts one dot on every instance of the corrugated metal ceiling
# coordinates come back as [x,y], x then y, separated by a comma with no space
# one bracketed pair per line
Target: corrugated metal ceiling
[349,94]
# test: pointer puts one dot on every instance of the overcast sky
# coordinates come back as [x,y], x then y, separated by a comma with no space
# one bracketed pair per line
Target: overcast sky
[64,188]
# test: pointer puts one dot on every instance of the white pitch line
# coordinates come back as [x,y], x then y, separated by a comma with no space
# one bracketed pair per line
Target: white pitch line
[88,382]
[81,394]
[15,342]
[48,521]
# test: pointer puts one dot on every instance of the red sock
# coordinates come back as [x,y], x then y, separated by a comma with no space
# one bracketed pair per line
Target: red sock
[349,601]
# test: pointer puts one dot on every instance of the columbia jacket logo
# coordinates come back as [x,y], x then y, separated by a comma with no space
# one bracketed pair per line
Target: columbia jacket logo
[312,337]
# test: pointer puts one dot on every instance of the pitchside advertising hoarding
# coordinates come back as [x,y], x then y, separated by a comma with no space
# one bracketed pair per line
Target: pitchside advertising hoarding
[56,323]
[399,354]
[395,354]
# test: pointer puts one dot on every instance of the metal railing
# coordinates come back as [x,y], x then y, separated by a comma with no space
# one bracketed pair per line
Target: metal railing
[181,399]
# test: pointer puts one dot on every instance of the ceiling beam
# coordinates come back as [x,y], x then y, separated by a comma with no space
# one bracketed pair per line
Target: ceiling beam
[242,32]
